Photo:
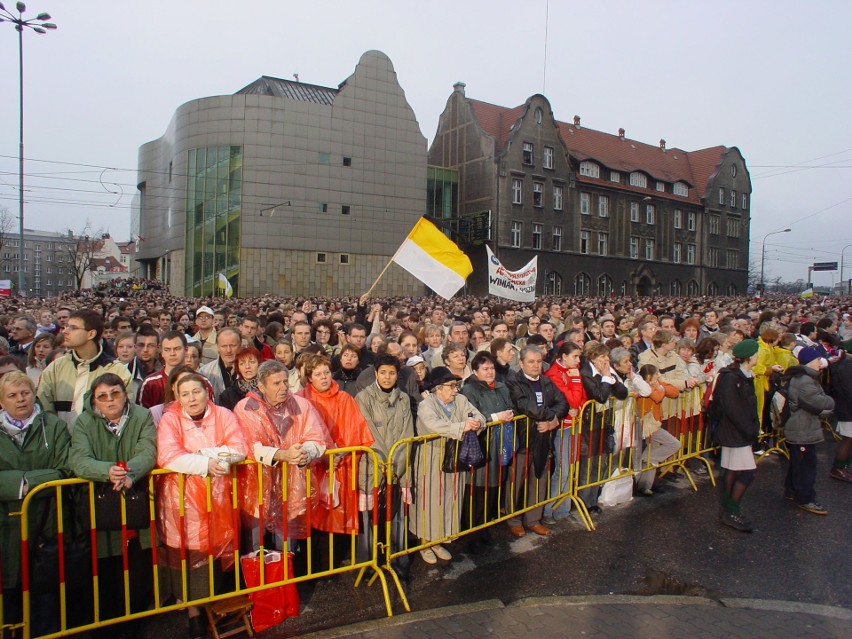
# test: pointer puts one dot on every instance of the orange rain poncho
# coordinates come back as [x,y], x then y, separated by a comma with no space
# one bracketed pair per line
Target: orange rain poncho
[348,428]
[182,443]
[295,421]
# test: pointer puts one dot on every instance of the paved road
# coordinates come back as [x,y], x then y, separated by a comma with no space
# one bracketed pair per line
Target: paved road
[669,545]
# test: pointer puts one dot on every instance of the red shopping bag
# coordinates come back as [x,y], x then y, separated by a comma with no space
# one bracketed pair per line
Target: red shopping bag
[275,604]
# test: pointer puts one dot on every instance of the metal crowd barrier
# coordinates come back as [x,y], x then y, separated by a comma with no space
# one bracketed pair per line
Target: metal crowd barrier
[72,548]
[603,439]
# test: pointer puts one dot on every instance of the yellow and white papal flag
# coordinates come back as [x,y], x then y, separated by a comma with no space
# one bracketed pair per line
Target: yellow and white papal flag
[225,285]
[434,259]
[808,292]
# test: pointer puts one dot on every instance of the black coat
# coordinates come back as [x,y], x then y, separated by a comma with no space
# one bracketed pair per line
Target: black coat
[738,422]
[598,432]
[840,388]
[554,405]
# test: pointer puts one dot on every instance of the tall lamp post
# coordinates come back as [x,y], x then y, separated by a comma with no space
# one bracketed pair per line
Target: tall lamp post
[843,287]
[40,25]
[763,257]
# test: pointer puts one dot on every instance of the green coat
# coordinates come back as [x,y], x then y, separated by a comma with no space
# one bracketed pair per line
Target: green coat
[95,449]
[489,401]
[43,457]
[389,417]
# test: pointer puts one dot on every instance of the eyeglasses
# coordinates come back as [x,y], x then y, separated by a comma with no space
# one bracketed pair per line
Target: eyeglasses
[105,397]
[69,327]
[451,386]
[325,332]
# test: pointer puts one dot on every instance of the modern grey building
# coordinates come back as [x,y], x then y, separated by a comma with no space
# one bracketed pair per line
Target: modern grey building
[605,213]
[287,188]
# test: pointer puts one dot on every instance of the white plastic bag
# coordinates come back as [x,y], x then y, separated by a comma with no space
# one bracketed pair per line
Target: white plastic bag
[617,491]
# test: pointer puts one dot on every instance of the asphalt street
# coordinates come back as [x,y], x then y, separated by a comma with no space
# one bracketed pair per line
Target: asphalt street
[670,544]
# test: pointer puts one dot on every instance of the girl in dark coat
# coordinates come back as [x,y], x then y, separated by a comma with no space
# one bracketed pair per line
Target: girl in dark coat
[735,407]
[840,388]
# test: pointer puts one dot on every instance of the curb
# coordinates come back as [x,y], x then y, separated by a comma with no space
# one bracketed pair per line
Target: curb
[833,612]
[603,600]
[405,619]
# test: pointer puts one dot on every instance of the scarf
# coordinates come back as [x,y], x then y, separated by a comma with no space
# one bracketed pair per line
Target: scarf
[17,428]
[247,385]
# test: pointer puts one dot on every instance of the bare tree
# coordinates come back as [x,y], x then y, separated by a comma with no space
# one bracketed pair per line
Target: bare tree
[7,224]
[81,250]
[753,274]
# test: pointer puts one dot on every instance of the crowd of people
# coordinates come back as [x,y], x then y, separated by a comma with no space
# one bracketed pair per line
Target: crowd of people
[107,385]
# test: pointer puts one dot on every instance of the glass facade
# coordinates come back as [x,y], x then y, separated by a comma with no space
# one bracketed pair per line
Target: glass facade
[213,207]
[442,192]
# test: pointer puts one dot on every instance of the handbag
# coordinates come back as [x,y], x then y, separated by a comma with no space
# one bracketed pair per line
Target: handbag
[108,503]
[463,454]
[507,443]
[275,604]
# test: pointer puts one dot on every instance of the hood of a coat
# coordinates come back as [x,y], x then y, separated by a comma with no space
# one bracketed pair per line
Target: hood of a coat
[797,371]
[333,390]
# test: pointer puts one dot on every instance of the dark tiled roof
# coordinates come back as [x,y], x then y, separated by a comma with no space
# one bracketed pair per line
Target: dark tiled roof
[279,88]
[612,151]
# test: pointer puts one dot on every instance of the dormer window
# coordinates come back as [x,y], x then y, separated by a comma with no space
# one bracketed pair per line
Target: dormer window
[638,179]
[590,169]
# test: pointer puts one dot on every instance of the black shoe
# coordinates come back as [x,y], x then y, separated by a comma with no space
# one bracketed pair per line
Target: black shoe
[595,510]
[197,627]
[736,521]
[658,490]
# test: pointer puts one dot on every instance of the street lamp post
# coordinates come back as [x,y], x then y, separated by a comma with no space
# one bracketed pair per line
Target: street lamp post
[763,258]
[843,286]
[40,26]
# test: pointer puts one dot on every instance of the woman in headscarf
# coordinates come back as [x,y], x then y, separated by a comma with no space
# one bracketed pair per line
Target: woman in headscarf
[191,435]
[247,362]
[336,510]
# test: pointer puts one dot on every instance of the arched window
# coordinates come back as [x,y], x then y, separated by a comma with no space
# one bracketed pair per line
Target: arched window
[604,285]
[582,284]
[712,288]
[553,283]
[732,290]
[676,288]
[692,289]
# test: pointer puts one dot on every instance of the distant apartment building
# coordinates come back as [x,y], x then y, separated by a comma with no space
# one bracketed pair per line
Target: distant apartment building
[605,213]
[48,263]
[285,187]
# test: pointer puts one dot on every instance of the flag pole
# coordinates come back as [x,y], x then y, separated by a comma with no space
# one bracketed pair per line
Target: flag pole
[384,270]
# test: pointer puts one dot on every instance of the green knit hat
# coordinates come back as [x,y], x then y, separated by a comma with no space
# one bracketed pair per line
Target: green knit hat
[745,349]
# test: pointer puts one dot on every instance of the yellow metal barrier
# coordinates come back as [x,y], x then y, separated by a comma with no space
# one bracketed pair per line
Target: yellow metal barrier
[78,606]
[445,506]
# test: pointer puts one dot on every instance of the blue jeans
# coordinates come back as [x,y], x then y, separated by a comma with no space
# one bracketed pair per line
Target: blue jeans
[560,479]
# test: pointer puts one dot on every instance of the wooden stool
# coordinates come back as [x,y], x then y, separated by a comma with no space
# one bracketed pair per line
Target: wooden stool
[230,617]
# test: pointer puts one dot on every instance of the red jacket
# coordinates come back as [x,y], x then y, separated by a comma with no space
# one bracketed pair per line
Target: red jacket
[153,389]
[571,385]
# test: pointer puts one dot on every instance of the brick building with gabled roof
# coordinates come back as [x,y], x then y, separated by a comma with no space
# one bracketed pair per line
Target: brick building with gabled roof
[604,213]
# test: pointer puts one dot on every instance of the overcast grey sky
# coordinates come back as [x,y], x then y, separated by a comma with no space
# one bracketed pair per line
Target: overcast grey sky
[771,77]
